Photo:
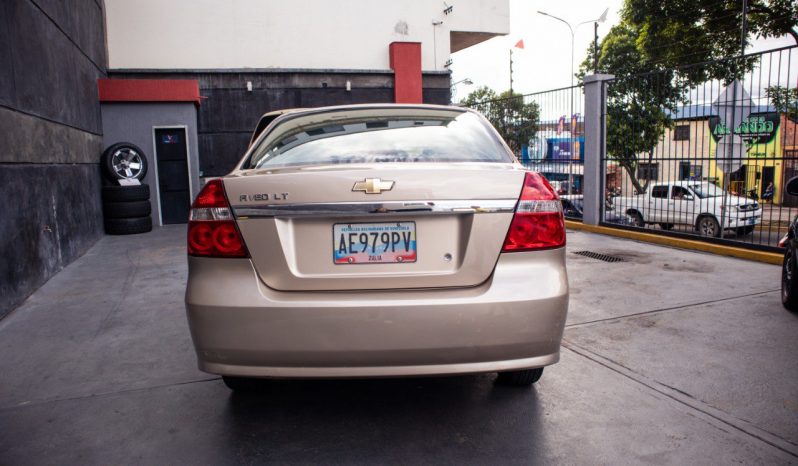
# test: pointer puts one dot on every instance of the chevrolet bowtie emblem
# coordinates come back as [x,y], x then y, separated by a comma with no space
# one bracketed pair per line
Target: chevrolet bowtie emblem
[373,186]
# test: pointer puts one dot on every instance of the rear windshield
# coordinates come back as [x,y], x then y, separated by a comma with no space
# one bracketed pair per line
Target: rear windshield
[460,137]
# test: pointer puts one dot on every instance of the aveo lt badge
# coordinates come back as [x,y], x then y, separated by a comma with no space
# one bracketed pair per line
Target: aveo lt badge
[373,186]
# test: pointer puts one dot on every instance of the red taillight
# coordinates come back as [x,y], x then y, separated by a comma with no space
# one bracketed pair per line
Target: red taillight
[212,232]
[538,222]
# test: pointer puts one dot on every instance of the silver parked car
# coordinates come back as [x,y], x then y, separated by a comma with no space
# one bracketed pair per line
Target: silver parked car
[377,241]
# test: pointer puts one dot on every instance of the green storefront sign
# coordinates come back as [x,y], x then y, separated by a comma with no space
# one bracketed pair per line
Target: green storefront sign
[758,130]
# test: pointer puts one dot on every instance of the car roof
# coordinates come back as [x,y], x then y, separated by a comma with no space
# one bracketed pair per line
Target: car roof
[266,119]
[280,116]
[688,183]
[387,106]
[299,113]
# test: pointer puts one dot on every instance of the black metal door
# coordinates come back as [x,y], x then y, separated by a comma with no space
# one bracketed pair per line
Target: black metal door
[173,185]
[790,170]
[767,178]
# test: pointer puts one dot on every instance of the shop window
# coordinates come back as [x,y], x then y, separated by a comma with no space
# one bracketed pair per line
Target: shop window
[648,171]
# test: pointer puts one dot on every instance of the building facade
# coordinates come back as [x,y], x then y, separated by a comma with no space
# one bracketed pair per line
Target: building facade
[51,56]
[251,57]
[78,76]
[688,151]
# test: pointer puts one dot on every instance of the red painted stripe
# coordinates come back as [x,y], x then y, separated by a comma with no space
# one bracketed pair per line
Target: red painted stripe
[406,64]
[149,90]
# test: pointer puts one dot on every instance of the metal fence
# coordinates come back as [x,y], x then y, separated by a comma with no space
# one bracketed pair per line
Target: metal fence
[546,132]
[705,149]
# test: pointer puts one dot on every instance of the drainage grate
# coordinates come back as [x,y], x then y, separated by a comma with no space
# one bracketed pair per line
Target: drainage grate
[599,256]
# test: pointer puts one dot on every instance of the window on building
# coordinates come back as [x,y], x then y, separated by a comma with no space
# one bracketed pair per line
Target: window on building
[648,171]
[681,133]
[660,192]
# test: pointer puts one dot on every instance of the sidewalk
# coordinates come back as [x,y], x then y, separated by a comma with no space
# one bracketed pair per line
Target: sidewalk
[778,215]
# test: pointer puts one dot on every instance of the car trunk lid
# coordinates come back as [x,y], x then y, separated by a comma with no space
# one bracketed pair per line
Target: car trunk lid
[297,223]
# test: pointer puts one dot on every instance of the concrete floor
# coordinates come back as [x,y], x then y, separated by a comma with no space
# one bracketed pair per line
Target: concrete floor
[670,357]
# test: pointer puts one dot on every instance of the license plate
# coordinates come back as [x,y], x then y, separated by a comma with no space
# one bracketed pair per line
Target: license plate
[752,221]
[374,243]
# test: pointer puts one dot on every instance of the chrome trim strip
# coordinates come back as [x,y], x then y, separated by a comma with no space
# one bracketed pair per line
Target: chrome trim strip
[352,209]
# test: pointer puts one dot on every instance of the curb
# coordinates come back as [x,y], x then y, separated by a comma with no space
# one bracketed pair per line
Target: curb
[722,250]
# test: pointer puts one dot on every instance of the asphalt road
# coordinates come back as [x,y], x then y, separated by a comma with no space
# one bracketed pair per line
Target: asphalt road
[670,357]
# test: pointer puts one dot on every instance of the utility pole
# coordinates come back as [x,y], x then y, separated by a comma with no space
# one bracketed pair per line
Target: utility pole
[572,30]
[731,154]
[511,72]
[744,28]
[595,47]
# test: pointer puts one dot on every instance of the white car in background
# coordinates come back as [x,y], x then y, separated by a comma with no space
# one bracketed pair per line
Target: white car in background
[700,204]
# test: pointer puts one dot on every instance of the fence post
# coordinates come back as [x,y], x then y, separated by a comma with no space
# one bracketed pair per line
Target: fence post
[595,131]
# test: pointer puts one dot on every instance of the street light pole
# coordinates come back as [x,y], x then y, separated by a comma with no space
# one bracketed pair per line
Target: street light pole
[572,30]
[466,81]
[595,47]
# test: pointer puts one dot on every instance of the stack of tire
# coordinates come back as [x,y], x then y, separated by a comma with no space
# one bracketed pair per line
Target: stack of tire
[126,207]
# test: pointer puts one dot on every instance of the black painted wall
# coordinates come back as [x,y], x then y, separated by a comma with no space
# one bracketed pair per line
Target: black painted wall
[229,112]
[51,54]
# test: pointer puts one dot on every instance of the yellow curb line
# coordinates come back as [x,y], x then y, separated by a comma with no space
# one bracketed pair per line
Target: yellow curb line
[759,256]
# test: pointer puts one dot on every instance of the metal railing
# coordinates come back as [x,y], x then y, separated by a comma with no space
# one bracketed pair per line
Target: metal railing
[545,130]
[706,149]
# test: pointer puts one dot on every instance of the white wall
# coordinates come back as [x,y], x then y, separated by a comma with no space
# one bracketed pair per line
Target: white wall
[317,34]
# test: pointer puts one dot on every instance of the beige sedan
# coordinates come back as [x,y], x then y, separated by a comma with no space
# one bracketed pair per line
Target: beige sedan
[377,241]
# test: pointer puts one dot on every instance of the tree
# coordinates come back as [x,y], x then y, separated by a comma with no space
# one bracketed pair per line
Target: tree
[638,100]
[784,100]
[515,120]
[674,33]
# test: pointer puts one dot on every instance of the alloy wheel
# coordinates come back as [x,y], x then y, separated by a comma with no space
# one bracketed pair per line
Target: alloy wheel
[127,163]
[707,227]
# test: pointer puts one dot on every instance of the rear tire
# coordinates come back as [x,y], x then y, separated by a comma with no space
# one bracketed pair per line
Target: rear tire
[789,284]
[132,209]
[637,219]
[242,384]
[128,226]
[523,378]
[126,193]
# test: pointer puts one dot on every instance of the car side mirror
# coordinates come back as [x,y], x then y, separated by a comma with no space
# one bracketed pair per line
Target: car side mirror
[688,197]
[792,186]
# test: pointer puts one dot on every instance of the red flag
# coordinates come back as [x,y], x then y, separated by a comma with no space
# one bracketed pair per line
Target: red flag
[519,44]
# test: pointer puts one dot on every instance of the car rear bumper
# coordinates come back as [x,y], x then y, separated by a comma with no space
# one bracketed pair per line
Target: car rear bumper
[514,320]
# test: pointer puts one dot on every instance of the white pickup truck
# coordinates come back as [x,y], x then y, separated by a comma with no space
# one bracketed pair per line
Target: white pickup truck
[696,203]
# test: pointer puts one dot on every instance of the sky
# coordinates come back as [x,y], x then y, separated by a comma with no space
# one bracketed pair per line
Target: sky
[544,63]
